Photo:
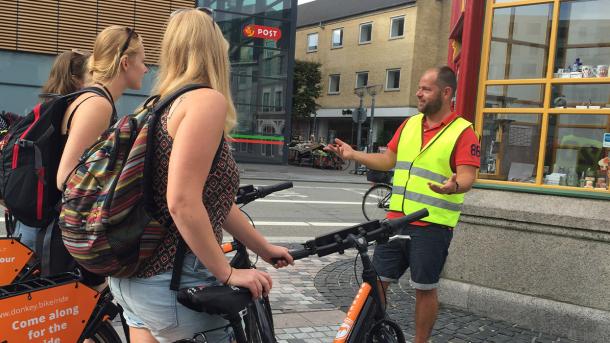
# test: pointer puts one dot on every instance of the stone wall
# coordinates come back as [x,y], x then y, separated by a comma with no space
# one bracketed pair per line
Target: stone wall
[539,260]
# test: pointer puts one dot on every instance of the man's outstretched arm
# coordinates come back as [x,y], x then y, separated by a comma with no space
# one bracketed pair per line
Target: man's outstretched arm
[377,161]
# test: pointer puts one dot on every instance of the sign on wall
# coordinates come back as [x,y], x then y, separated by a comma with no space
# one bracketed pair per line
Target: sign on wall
[264,32]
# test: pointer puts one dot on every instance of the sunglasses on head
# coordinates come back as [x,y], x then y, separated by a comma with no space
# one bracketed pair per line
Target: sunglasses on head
[130,33]
[205,10]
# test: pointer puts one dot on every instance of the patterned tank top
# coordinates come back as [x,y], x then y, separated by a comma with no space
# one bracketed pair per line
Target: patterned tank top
[218,197]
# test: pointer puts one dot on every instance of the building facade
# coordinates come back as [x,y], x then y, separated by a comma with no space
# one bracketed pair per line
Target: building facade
[34,32]
[383,45]
[532,245]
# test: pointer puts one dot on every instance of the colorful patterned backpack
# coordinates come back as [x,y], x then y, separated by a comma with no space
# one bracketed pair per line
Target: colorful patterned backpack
[107,202]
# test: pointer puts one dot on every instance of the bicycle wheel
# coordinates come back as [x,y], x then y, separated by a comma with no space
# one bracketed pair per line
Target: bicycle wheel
[376,201]
[105,333]
[385,331]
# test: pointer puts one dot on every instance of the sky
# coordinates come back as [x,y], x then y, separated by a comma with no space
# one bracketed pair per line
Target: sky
[304,1]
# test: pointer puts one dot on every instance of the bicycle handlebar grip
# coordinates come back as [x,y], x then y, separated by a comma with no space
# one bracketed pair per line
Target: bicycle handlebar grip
[411,217]
[263,191]
[299,254]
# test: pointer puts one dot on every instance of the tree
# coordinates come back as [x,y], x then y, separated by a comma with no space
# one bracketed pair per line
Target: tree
[306,88]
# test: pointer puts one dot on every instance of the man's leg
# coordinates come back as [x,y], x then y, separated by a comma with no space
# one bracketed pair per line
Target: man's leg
[428,252]
[426,309]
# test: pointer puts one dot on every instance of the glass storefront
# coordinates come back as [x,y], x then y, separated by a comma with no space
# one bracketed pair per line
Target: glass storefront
[261,37]
[544,98]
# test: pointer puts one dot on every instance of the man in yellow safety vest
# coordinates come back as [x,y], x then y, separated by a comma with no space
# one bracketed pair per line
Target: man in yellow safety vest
[435,155]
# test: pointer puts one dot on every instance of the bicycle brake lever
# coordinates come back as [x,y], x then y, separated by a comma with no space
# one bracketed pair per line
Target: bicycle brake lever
[395,237]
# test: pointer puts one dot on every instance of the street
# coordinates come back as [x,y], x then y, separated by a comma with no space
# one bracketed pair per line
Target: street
[306,210]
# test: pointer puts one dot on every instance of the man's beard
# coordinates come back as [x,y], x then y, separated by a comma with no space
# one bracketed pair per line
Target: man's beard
[432,107]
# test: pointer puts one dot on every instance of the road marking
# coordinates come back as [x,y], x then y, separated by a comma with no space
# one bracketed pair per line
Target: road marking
[312,202]
[320,224]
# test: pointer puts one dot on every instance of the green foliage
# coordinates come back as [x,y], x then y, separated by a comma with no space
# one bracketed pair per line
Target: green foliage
[306,88]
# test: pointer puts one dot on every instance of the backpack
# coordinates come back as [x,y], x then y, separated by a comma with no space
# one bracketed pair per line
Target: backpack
[105,218]
[29,160]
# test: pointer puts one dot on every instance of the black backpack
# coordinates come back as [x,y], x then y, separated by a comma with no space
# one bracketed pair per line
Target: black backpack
[30,158]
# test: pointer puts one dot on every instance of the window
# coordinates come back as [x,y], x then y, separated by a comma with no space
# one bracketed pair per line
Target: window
[333,84]
[337,38]
[266,101]
[278,101]
[362,79]
[312,42]
[366,33]
[532,137]
[392,80]
[397,28]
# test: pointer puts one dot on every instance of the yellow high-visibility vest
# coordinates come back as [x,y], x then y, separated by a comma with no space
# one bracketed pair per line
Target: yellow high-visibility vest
[416,165]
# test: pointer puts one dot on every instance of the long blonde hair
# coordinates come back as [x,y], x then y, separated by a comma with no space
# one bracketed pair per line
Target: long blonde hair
[194,51]
[105,62]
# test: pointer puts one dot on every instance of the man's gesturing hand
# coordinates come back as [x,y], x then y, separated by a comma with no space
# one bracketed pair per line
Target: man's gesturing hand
[341,148]
[449,187]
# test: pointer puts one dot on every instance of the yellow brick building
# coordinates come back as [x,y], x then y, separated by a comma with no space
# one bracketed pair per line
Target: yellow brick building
[382,43]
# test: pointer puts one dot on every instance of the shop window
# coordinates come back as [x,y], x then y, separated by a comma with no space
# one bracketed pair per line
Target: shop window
[366,33]
[575,153]
[397,27]
[333,84]
[362,79]
[392,80]
[520,42]
[509,147]
[312,42]
[505,96]
[337,38]
[544,119]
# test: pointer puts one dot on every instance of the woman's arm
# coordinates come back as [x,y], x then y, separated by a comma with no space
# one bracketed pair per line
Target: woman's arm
[239,227]
[197,125]
[89,121]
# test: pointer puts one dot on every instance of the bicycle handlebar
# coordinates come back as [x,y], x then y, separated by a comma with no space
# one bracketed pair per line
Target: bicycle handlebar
[344,239]
[247,194]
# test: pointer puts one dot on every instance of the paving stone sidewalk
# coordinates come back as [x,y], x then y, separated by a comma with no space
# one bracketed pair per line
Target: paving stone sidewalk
[309,301]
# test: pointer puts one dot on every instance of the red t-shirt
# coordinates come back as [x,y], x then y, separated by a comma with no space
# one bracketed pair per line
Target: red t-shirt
[467,150]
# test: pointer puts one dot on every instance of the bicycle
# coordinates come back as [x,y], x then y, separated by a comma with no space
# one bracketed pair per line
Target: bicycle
[251,320]
[376,201]
[366,319]
[24,287]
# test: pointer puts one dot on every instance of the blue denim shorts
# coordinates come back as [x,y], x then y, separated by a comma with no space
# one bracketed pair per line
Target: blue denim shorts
[149,303]
[424,254]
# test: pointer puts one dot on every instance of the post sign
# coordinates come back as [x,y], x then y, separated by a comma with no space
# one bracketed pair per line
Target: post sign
[52,315]
[606,140]
[13,257]
[264,32]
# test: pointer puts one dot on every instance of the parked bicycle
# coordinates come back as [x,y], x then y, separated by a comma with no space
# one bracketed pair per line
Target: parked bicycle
[376,201]
[251,320]
[366,320]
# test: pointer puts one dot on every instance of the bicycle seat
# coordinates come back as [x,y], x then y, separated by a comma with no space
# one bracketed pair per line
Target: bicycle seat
[220,300]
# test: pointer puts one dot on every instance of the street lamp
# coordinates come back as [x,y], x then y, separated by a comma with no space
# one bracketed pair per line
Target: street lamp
[372,90]
[360,92]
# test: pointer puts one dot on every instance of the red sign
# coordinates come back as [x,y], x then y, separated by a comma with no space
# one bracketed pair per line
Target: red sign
[264,32]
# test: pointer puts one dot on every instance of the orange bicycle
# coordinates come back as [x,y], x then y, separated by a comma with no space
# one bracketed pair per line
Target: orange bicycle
[366,319]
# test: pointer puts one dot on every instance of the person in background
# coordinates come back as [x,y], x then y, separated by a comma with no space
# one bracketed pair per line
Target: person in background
[435,155]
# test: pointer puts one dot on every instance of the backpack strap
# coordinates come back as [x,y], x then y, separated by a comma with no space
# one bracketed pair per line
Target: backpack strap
[171,97]
[181,248]
[105,94]
[74,110]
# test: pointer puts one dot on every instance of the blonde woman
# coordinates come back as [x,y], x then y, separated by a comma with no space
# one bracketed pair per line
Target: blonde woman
[116,64]
[195,182]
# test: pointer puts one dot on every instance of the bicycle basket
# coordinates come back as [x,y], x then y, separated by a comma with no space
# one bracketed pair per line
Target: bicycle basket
[378,176]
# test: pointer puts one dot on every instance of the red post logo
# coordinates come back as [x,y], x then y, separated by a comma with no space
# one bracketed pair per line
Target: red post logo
[264,32]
